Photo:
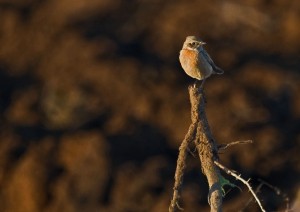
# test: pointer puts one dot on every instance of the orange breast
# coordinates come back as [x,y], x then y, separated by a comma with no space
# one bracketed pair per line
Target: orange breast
[188,59]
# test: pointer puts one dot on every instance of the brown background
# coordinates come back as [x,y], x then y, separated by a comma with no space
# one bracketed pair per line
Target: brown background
[94,103]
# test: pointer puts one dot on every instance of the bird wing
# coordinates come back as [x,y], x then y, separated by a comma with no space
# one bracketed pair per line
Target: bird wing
[216,69]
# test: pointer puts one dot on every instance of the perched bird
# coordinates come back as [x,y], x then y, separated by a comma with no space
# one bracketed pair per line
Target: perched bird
[195,61]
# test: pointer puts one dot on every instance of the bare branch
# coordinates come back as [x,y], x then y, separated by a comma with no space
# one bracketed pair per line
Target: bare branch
[278,192]
[225,146]
[190,136]
[246,182]
[257,190]
[207,148]
[199,132]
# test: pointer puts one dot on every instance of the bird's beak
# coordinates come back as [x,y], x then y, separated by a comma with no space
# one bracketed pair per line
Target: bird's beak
[202,43]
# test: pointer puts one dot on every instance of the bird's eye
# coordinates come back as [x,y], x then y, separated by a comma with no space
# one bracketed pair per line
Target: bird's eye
[192,44]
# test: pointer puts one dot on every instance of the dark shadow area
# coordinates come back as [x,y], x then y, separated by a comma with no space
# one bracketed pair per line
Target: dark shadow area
[138,144]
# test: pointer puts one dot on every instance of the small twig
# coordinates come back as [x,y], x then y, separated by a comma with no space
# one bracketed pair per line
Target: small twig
[225,146]
[257,190]
[192,152]
[278,192]
[246,182]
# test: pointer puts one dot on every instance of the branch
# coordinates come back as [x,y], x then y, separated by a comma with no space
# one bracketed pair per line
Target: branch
[199,132]
[278,192]
[190,136]
[238,177]
[225,146]
[257,190]
[207,147]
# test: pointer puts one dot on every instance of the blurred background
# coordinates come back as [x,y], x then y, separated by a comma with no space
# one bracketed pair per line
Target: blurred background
[94,103]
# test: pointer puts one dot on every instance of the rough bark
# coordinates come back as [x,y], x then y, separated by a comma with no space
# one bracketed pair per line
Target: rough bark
[199,133]
[207,148]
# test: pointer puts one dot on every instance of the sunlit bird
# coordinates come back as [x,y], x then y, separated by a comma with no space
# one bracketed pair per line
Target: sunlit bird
[195,61]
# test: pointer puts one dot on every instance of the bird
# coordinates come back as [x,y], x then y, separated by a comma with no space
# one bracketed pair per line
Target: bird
[195,61]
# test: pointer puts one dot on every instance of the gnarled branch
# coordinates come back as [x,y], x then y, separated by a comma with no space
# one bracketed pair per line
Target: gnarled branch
[199,132]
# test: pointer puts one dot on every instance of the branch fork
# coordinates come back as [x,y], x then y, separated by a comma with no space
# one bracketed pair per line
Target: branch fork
[200,134]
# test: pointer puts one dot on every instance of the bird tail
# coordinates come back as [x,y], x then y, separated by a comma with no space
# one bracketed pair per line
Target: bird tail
[217,70]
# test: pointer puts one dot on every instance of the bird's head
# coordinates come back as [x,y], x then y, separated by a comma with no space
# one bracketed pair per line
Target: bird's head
[192,43]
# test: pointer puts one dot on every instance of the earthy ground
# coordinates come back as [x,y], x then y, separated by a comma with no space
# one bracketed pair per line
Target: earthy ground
[94,103]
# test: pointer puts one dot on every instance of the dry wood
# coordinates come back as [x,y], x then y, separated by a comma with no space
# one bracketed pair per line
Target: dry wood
[199,133]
